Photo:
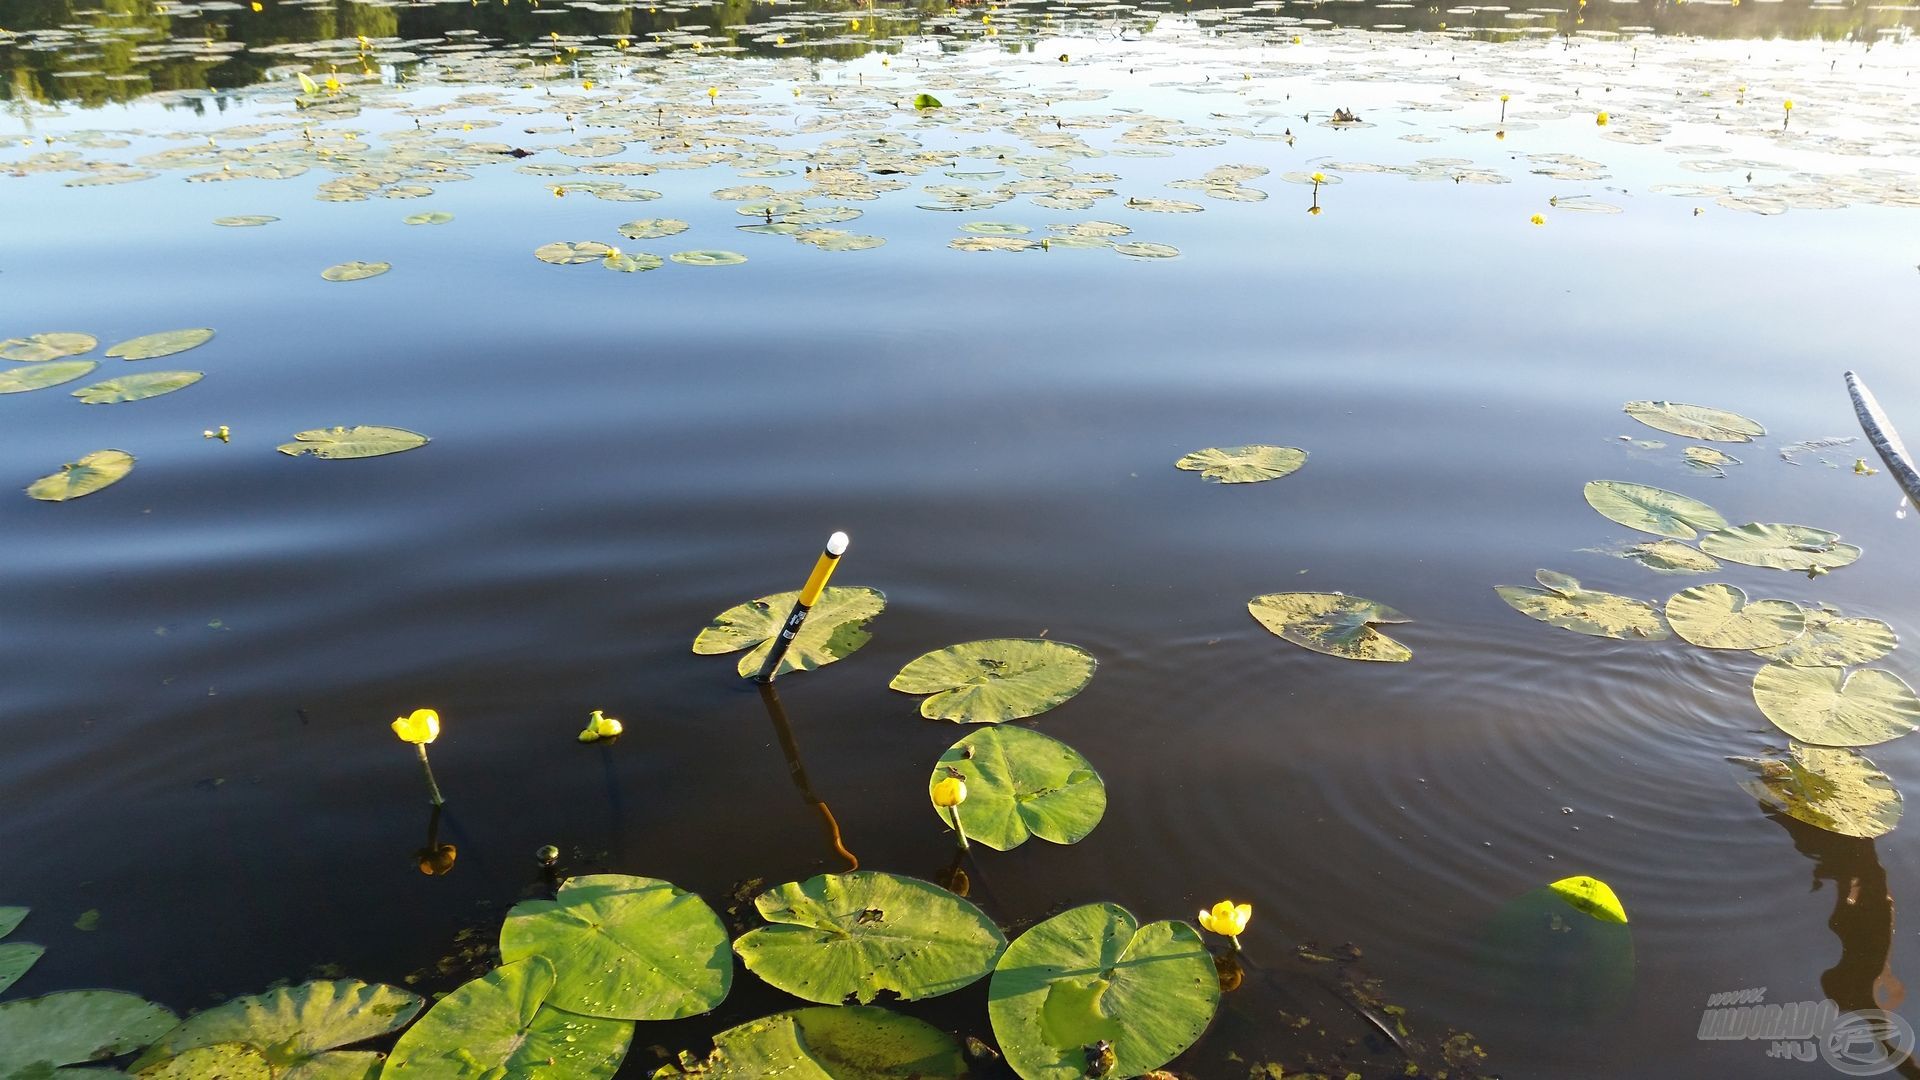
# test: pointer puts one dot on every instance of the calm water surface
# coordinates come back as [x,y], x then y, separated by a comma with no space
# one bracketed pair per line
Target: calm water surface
[199,663]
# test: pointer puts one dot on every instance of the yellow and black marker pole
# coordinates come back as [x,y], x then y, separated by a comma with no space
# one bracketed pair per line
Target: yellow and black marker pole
[809,594]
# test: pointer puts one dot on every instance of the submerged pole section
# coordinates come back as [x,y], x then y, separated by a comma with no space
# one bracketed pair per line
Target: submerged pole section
[1885,440]
[809,594]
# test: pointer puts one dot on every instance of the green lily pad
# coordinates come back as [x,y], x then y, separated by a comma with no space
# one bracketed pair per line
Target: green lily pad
[1244,464]
[16,957]
[147,384]
[1720,617]
[708,258]
[83,477]
[165,343]
[1783,547]
[75,1026]
[624,948]
[355,271]
[1332,623]
[1143,250]
[1021,783]
[1695,421]
[1092,975]
[1708,460]
[431,217]
[926,101]
[1837,789]
[1833,641]
[653,228]
[1562,602]
[245,221]
[849,1042]
[1652,510]
[40,376]
[835,628]
[1672,557]
[632,262]
[840,936]
[1828,707]
[996,680]
[359,441]
[52,346]
[500,1026]
[1590,896]
[294,1027]
[11,918]
[226,1061]
[572,252]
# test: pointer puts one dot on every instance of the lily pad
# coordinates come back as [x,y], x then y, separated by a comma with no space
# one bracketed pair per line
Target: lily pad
[1590,896]
[359,441]
[431,217]
[708,258]
[996,680]
[636,262]
[165,343]
[40,376]
[1332,623]
[226,1061]
[1652,510]
[11,918]
[1720,617]
[840,936]
[147,384]
[1672,557]
[245,221]
[500,1026]
[1834,641]
[926,101]
[83,477]
[1837,789]
[851,1042]
[51,346]
[355,271]
[1695,421]
[624,948]
[16,957]
[1783,547]
[653,228]
[1093,975]
[1828,707]
[75,1026]
[294,1027]
[1707,459]
[1562,601]
[572,252]
[834,630]
[1144,250]
[1021,783]
[1244,464]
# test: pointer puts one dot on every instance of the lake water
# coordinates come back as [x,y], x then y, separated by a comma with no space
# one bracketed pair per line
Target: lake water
[199,663]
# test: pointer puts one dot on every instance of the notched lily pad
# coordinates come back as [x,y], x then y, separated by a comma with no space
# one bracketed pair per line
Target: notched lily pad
[1829,707]
[359,441]
[226,1061]
[16,958]
[653,228]
[49,346]
[295,1026]
[1332,623]
[1672,557]
[165,343]
[1708,460]
[1562,601]
[708,258]
[996,680]
[1695,421]
[500,1026]
[1832,640]
[147,384]
[1244,464]
[73,1027]
[572,252]
[1840,789]
[1780,546]
[1652,510]
[83,477]
[1021,783]
[853,1042]
[355,271]
[19,380]
[1721,617]
[835,628]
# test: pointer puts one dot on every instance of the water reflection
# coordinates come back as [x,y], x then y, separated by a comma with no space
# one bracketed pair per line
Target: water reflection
[797,769]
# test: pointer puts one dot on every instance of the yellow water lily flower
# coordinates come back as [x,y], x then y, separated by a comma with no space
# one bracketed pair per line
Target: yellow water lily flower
[601,726]
[1601,119]
[950,792]
[421,728]
[1789,104]
[1227,919]
[1319,178]
[1538,219]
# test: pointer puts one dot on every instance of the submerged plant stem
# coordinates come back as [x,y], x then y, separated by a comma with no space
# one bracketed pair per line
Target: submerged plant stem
[433,789]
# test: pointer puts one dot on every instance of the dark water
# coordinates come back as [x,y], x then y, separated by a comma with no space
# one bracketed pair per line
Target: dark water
[199,663]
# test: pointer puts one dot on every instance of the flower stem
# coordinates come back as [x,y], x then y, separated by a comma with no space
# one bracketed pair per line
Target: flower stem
[1236,942]
[959,830]
[433,789]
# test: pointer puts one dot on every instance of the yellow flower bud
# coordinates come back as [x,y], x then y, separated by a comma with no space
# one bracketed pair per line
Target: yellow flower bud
[1227,919]
[1601,119]
[605,726]
[950,792]
[420,728]
[1538,219]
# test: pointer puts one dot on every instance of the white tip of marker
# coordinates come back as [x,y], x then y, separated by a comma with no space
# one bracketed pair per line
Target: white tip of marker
[837,544]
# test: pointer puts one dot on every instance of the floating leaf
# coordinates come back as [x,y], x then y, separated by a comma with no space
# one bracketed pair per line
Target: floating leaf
[624,948]
[355,271]
[11,918]
[1720,617]
[1564,603]
[147,384]
[996,680]
[1651,509]
[359,441]
[1695,421]
[840,936]
[632,263]
[83,477]
[75,1026]
[926,101]
[53,346]
[1244,464]
[499,1026]
[227,1061]
[1143,250]
[1672,557]
[1590,896]
[295,1026]
[40,376]
[851,1042]
[1707,459]
[431,217]
[15,958]
[1837,789]
[708,258]
[835,628]
[245,221]
[165,343]
[1833,641]
[572,252]
[1828,707]
[653,228]
[1092,975]
[1783,547]
[1331,623]
[1021,783]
